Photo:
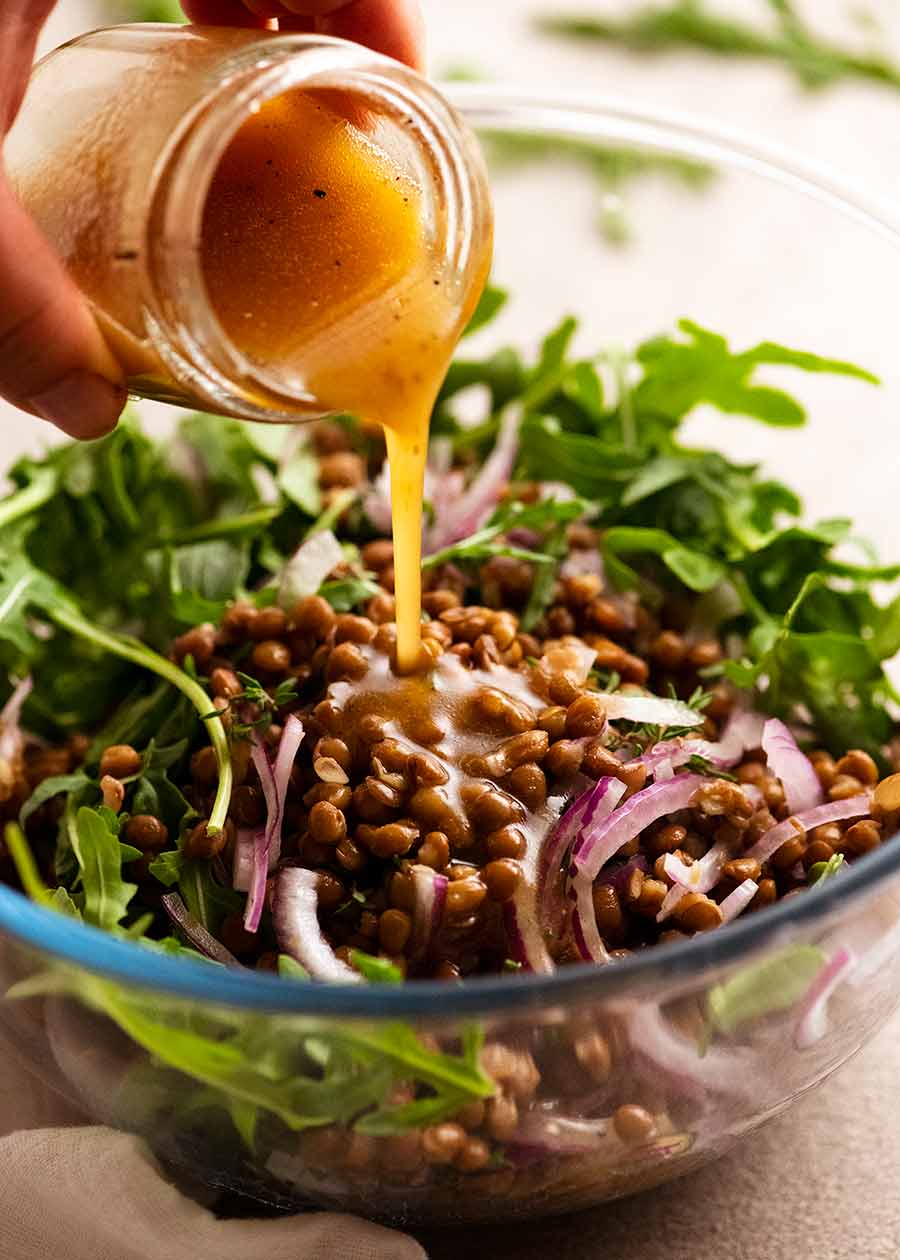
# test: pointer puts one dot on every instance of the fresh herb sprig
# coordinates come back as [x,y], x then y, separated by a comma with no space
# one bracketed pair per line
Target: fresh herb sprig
[691,24]
[678,518]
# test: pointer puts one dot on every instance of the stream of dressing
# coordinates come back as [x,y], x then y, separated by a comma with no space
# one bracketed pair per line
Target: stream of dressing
[316,256]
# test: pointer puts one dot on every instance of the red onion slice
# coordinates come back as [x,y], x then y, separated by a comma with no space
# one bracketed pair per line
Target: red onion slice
[704,874]
[812,1021]
[600,804]
[802,789]
[594,850]
[430,894]
[564,1135]
[10,716]
[297,927]
[242,868]
[738,901]
[274,782]
[742,732]
[308,567]
[195,932]
[655,710]
[834,811]
[473,508]
[670,901]
[719,1071]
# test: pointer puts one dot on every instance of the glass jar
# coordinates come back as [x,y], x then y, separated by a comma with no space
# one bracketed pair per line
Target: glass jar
[116,153]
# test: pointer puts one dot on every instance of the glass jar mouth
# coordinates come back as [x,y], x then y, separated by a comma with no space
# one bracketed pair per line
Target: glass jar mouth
[191,338]
[671,966]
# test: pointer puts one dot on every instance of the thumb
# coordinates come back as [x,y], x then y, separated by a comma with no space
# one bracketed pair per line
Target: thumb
[53,359]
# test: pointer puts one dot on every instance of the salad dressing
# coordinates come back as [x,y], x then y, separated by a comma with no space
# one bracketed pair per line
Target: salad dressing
[315,254]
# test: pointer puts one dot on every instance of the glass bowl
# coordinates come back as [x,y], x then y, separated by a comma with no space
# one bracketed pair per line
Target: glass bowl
[256,1084]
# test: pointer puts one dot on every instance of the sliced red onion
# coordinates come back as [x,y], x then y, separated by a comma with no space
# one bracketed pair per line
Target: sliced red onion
[670,901]
[523,931]
[834,811]
[377,501]
[554,850]
[812,1020]
[742,732]
[430,893]
[10,717]
[802,789]
[472,508]
[256,890]
[564,1135]
[737,902]
[653,1038]
[308,567]
[242,867]
[595,848]
[703,875]
[600,804]
[664,770]
[294,907]
[195,932]
[618,878]
[654,710]
[274,782]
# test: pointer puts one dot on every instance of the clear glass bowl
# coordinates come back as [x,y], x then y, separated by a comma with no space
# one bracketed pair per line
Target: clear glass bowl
[772,250]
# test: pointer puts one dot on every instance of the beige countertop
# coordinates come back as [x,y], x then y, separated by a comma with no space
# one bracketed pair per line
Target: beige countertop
[819,1183]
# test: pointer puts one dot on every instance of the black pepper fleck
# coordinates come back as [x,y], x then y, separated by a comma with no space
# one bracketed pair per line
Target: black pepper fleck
[320,192]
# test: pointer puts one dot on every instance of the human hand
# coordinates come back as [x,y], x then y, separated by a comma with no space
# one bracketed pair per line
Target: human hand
[54,361]
[90,1193]
[394,27]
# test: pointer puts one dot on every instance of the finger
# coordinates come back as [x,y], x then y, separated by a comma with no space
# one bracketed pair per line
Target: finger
[53,359]
[221,13]
[393,27]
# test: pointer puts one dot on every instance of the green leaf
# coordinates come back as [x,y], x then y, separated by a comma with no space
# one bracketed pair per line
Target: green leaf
[679,375]
[345,594]
[376,970]
[99,855]
[57,785]
[490,304]
[820,872]
[290,969]
[298,480]
[696,570]
[775,984]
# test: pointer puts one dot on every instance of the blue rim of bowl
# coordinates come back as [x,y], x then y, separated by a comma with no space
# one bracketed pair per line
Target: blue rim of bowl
[80,945]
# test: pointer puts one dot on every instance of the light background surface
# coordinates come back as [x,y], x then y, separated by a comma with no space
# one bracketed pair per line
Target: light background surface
[820,1183]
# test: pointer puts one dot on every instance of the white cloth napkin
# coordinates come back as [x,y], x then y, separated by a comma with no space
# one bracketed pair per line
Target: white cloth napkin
[89,1193]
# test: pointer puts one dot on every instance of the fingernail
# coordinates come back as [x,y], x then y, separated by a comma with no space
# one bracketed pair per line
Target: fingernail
[82,404]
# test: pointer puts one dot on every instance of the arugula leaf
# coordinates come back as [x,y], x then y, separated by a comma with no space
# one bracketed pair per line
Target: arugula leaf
[697,571]
[702,369]
[99,854]
[490,304]
[821,872]
[299,480]
[376,970]
[57,785]
[775,984]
